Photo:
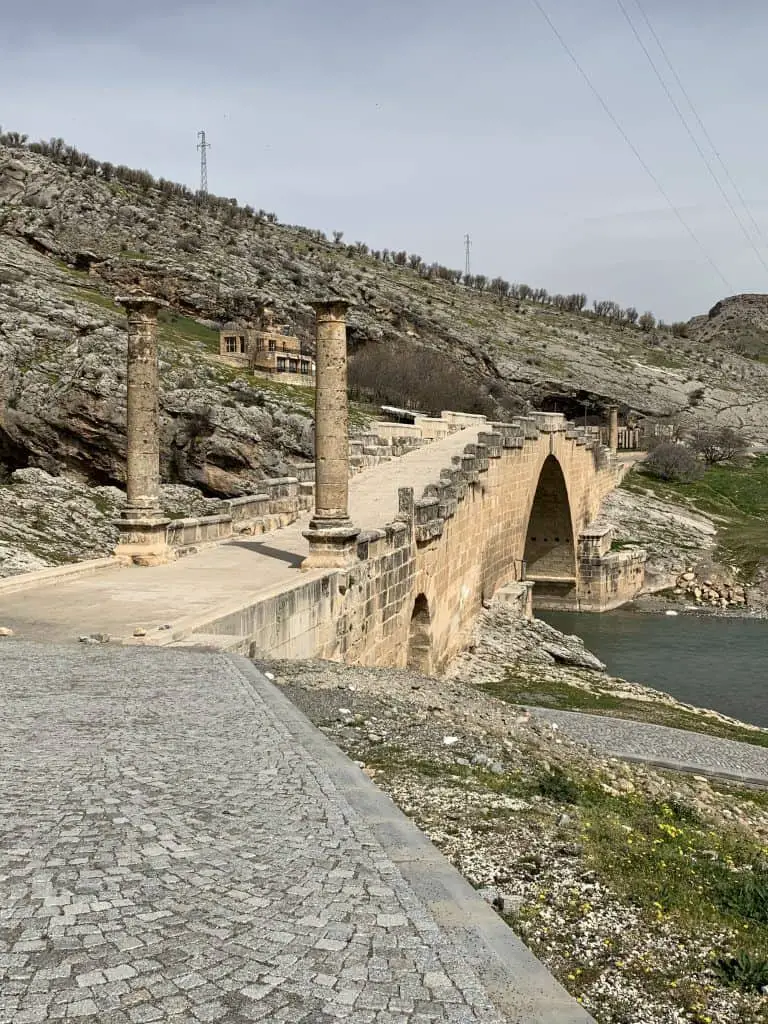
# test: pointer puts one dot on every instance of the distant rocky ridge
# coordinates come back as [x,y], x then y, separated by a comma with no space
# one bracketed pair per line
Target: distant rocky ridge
[739,323]
[70,239]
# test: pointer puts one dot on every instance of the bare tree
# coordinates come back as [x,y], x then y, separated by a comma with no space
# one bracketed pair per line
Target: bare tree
[718,444]
[647,321]
[500,289]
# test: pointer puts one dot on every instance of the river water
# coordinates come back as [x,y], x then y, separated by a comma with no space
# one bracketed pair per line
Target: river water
[719,663]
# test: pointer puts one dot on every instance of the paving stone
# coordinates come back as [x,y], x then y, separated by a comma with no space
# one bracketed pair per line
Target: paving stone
[157,818]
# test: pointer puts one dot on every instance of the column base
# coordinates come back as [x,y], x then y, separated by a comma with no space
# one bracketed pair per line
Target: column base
[143,540]
[332,544]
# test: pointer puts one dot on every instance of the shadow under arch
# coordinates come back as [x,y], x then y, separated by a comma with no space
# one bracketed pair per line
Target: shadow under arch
[420,637]
[550,552]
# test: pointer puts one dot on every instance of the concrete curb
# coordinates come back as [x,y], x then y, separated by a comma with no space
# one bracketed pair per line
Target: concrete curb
[58,574]
[685,768]
[736,775]
[518,984]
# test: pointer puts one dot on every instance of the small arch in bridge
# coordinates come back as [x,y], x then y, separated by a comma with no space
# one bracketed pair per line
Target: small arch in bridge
[549,547]
[420,637]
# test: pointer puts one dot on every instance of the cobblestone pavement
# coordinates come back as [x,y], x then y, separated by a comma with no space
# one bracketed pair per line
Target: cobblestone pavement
[662,745]
[169,853]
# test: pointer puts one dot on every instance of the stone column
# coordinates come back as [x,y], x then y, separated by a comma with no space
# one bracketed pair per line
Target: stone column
[142,524]
[331,535]
[613,428]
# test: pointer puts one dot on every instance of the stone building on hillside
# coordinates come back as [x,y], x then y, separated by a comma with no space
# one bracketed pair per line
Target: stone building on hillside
[270,348]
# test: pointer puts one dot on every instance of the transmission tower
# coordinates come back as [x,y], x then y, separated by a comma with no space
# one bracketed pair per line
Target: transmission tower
[467,247]
[203,146]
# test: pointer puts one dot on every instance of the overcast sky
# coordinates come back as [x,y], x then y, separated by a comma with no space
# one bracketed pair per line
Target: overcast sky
[407,124]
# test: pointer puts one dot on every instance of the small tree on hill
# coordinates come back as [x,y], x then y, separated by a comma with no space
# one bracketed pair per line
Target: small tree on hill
[500,289]
[718,444]
[647,321]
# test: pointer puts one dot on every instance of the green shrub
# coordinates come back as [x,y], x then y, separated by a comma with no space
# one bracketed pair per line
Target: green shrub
[744,971]
[559,787]
[675,462]
[744,893]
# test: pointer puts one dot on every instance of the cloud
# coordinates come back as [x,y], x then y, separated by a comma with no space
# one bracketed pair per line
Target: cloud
[408,124]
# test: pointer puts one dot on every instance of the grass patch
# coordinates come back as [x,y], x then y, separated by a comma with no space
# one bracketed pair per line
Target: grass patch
[95,298]
[661,857]
[674,867]
[175,330]
[81,275]
[555,693]
[395,760]
[658,357]
[735,496]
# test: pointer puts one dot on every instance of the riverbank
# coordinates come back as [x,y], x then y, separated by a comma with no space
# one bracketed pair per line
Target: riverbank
[706,540]
[644,891]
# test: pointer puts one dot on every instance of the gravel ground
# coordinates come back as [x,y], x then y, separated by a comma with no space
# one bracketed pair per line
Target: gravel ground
[467,767]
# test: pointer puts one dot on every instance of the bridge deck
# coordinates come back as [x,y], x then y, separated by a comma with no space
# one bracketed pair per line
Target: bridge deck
[121,600]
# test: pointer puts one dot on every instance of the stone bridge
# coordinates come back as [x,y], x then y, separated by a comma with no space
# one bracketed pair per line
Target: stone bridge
[497,507]
[392,568]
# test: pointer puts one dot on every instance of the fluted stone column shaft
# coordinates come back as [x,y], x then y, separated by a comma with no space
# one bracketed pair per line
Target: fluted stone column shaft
[613,428]
[142,478]
[331,414]
[143,539]
[331,535]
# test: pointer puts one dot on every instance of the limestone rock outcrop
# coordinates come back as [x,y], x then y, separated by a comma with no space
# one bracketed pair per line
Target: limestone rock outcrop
[71,239]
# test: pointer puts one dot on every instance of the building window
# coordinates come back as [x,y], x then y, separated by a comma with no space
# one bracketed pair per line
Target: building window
[242,344]
[231,344]
[293,365]
[281,364]
[304,366]
[272,346]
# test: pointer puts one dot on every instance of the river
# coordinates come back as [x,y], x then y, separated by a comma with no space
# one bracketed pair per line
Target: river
[714,662]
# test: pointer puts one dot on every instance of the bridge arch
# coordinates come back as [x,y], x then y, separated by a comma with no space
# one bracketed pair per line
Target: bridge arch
[550,549]
[420,637]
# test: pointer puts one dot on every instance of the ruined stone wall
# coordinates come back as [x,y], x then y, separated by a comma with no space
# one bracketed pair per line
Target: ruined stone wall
[609,581]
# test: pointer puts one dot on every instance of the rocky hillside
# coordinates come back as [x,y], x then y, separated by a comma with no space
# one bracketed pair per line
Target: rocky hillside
[738,323]
[74,233]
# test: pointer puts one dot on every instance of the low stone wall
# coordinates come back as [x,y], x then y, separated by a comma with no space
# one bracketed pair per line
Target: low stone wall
[281,503]
[433,429]
[185,536]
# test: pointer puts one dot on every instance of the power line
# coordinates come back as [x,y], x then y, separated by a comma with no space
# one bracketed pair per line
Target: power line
[636,152]
[467,245]
[691,135]
[699,121]
[203,146]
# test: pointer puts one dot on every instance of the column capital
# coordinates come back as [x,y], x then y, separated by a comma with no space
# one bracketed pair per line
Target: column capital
[138,303]
[330,307]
